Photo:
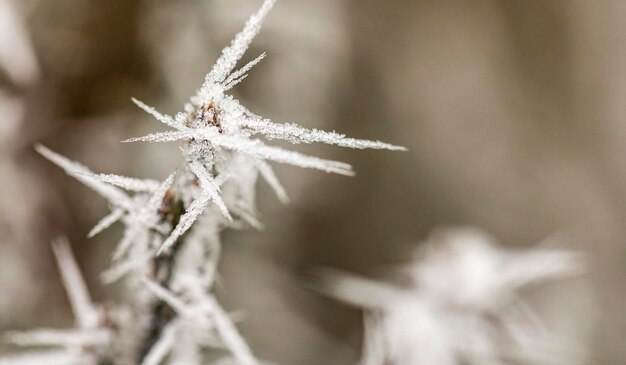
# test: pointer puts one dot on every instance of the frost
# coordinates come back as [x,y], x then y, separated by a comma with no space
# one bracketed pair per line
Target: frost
[214,128]
[56,357]
[139,212]
[122,268]
[238,76]
[256,148]
[167,297]
[207,307]
[268,174]
[231,54]
[71,342]
[163,136]
[231,337]
[165,119]
[106,222]
[193,212]
[296,134]
[163,346]
[209,187]
[129,183]
[84,310]
[170,247]
[57,337]
[114,195]
[462,307]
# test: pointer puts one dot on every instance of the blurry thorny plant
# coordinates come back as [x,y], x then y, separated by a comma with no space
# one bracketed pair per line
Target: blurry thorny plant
[169,266]
[462,305]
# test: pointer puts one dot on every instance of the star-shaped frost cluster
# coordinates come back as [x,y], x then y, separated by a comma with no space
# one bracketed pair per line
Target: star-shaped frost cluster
[220,136]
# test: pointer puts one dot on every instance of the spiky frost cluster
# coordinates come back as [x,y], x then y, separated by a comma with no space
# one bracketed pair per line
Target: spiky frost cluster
[84,344]
[462,306]
[171,267]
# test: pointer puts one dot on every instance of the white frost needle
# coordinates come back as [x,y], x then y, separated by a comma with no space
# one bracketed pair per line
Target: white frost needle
[238,76]
[131,232]
[256,148]
[166,296]
[210,192]
[106,222]
[229,333]
[253,148]
[209,187]
[374,341]
[127,183]
[268,174]
[297,134]
[163,136]
[163,118]
[249,217]
[51,357]
[194,210]
[541,265]
[234,83]
[143,218]
[159,194]
[57,337]
[358,291]
[162,347]
[231,54]
[223,322]
[114,195]
[84,310]
[122,268]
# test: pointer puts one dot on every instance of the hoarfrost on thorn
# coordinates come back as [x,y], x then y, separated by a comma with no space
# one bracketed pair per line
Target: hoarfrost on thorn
[170,246]
[462,305]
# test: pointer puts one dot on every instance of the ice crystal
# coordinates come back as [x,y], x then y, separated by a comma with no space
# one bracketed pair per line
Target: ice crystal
[462,307]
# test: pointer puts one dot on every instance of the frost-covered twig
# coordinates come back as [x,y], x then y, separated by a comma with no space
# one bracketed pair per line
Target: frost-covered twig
[170,248]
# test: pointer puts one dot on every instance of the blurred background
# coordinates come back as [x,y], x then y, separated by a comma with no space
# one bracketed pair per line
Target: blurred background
[514,114]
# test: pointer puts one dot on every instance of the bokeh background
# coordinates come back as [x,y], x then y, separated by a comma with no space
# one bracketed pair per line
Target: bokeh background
[514,114]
